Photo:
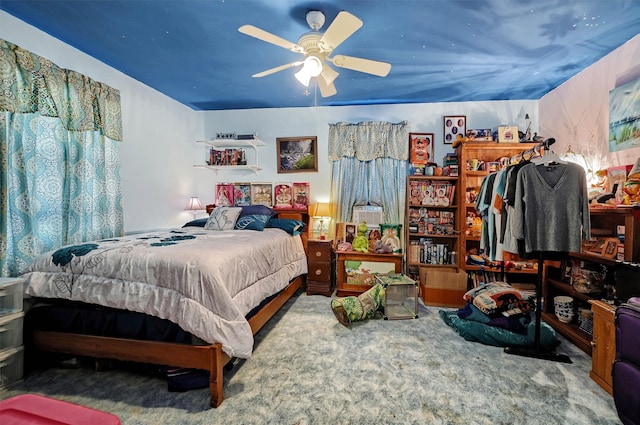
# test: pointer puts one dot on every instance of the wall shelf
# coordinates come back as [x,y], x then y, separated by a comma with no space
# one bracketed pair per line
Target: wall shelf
[233,143]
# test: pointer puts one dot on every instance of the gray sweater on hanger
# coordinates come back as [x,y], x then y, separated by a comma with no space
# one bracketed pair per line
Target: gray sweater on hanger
[551,211]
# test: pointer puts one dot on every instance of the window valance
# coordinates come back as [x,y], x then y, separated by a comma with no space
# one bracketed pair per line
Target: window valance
[369,140]
[30,83]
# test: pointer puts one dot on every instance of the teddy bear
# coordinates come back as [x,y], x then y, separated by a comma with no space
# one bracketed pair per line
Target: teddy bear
[374,236]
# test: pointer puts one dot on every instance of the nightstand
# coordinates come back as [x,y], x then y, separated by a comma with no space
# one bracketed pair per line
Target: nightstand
[321,262]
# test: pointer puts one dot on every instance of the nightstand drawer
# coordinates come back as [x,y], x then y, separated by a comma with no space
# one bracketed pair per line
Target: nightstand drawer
[319,288]
[319,252]
[319,272]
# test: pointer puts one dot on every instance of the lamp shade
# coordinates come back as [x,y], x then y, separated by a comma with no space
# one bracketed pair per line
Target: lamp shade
[321,210]
[312,68]
[194,205]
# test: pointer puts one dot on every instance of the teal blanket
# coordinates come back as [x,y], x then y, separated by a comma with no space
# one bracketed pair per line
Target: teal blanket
[490,335]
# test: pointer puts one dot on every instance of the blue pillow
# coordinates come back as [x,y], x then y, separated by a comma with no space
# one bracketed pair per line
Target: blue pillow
[199,222]
[252,222]
[257,209]
[289,225]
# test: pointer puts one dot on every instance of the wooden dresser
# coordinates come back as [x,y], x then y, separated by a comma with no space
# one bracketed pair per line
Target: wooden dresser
[321,262]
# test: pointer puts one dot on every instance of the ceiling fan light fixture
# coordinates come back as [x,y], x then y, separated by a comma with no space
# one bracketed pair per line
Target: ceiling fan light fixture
[311,68]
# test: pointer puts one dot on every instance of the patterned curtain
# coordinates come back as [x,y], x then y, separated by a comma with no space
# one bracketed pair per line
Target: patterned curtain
[370,167]
[59,158]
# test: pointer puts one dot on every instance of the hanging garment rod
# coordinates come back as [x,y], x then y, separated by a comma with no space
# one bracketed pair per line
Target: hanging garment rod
[532,151]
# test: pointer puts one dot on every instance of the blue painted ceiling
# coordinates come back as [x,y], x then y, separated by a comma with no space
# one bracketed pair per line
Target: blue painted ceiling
[439,50]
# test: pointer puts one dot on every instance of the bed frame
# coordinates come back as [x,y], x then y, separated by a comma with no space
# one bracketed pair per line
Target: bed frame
[206,357]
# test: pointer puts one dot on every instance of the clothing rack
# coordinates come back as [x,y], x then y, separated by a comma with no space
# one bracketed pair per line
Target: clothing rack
[537,352]
[534,150]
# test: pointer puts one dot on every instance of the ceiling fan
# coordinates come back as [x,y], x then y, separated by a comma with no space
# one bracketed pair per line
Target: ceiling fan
[317,47]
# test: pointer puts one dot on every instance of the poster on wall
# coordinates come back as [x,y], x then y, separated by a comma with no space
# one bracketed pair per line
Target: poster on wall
[624,116]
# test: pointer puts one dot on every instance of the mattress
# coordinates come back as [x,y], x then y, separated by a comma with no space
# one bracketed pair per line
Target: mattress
[205,281]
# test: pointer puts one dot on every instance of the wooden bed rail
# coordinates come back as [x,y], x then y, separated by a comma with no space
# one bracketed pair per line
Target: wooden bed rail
[206,357]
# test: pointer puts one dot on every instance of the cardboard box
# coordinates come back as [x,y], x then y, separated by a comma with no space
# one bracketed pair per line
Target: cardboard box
[508,134]
[443,287]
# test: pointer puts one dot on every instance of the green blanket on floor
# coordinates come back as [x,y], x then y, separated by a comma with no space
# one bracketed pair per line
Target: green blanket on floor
[491,335]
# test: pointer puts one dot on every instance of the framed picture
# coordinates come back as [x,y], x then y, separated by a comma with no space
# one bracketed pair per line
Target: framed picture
[241,194]
[224,195]
[610,249]
[261,194]
[454,126]
[283,195]
[346,232]
[420,148]
[297,154]
[301,194]
[624,110]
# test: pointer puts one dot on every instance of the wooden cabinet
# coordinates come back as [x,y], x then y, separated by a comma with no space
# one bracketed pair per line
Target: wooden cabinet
[320,260]
[607,221]
[432,239]
[557,282]
[356,270]
[223,144]
[603,344]
[486,154]
[431,231]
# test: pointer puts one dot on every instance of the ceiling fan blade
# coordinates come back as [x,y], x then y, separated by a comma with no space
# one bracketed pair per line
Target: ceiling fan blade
[327,89]
[328,74]
[270,38]
[369,66]
[340,29]
[276,69]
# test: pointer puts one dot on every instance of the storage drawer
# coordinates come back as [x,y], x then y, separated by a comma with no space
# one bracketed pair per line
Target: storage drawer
[11,290]
[11,366]
[319,288]
[11,330]
[319,272]
[319,252]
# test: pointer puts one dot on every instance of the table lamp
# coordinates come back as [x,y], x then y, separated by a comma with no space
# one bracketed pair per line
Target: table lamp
[321,211]
[194,205]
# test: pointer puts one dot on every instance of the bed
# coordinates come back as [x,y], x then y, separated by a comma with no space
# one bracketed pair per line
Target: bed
[219,284]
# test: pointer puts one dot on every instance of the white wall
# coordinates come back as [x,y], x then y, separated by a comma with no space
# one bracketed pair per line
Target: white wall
[577,112]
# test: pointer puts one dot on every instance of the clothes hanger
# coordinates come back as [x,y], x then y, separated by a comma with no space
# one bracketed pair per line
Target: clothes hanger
[549,157]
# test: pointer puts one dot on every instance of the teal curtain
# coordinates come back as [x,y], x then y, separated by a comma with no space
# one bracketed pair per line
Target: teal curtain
[59,158]
[370,167]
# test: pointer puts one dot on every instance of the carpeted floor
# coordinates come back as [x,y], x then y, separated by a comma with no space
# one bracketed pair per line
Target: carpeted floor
[309,369]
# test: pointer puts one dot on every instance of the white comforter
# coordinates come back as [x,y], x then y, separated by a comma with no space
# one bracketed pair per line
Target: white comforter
[205,281]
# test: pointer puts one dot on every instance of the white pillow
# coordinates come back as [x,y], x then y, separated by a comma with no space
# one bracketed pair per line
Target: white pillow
[223,218]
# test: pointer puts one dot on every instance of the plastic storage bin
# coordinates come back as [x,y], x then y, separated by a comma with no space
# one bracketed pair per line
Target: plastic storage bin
[11,367]
[11,290]
[11,330]
[38,410]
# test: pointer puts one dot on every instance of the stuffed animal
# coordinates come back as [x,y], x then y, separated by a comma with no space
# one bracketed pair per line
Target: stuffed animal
[374,236]
[382,248]
[360,242]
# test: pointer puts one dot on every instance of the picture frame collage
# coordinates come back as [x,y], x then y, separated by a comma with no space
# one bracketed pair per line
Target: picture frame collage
[283,195]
